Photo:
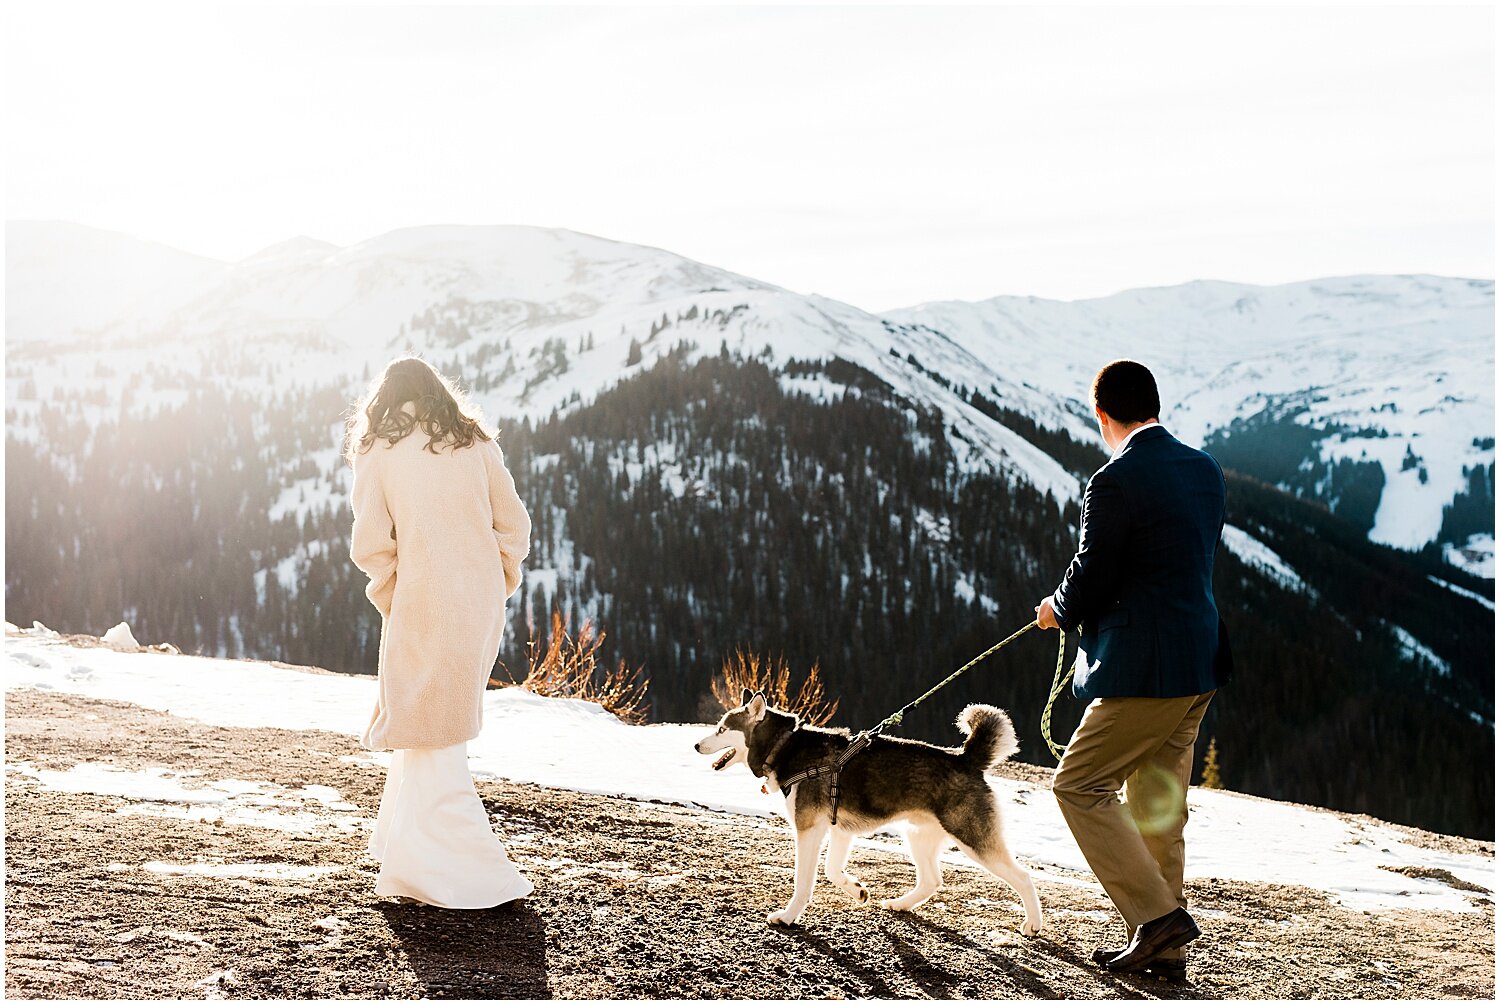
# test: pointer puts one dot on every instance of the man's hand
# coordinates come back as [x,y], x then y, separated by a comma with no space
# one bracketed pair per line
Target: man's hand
[1045,618]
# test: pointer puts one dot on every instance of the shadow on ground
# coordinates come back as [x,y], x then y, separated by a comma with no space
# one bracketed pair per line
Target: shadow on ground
[497,953]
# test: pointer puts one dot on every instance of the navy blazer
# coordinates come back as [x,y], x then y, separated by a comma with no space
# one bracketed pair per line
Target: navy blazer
[1141,584]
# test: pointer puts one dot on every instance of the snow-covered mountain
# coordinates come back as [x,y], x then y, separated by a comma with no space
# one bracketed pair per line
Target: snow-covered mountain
[548,314]
[713,462]
[1395,370]
[1392,372]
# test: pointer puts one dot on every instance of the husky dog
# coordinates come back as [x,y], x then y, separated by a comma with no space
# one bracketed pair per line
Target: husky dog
[939,791]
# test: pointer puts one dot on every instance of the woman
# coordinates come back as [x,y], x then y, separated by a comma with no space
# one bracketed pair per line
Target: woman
[441,532]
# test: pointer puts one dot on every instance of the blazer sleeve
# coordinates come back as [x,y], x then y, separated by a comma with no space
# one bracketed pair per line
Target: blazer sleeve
[1096,566]
[1223,499]
[372,545]
[512,524]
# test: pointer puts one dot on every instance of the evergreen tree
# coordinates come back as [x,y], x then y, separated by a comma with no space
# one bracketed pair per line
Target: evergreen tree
[1211,779]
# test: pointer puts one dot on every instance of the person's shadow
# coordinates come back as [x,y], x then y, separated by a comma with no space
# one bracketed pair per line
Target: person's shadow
[496,953]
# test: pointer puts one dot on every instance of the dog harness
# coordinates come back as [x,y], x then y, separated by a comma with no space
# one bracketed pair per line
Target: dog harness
[833,767]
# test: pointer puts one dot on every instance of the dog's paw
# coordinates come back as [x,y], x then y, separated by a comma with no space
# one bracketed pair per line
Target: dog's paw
[899,904]
[855,891]
[781,919]
[1029,930]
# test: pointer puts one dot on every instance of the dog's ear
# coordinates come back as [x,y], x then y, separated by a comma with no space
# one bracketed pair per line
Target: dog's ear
[756,707]
[745,697]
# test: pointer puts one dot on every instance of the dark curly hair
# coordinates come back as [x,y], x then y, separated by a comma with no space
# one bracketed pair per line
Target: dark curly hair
[438,407]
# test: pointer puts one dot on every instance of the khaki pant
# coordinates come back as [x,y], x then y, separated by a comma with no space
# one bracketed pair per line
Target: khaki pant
[1144,745]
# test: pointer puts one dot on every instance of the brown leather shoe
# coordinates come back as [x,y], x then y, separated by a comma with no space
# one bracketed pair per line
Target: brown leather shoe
[1154,938]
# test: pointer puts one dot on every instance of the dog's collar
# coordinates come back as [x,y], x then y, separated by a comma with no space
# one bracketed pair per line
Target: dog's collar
[768,763]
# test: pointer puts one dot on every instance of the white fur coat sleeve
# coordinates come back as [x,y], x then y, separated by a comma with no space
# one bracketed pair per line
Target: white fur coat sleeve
[510,521]
[372,545]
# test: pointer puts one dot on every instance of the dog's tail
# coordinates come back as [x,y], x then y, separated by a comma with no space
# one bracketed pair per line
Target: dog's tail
[990,736]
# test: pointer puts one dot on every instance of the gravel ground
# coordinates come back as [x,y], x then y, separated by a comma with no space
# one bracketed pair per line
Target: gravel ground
[634,900]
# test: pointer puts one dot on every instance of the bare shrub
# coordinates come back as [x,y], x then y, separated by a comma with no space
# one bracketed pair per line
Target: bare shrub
[567,666]
[763,673]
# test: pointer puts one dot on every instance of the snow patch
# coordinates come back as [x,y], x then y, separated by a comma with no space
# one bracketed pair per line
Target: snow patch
[240,870]
[1253,552]
[1477,597]
[161,792]
[1416,652]
[120,637]
[965,591]
[1476,556]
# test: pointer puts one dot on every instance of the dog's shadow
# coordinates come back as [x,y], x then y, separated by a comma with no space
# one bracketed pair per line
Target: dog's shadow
[852,960]
[932,979]
[939,981]
[1029,983]
[496,953]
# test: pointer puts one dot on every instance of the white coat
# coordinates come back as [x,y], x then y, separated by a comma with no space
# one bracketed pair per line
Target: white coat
[441,537]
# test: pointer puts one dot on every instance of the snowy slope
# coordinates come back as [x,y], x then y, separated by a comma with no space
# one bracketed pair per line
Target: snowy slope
[1410,356]
[1255,552]
[578,746]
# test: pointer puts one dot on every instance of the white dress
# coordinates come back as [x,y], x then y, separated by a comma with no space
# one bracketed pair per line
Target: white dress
[432,836]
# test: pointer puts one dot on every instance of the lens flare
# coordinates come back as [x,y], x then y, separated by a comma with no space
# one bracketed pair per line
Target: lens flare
[1157,800]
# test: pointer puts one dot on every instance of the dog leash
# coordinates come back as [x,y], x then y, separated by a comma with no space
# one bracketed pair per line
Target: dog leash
[865,738]
[1059,681]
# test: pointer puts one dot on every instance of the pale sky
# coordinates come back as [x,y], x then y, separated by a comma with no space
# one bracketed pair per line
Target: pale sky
[882,156]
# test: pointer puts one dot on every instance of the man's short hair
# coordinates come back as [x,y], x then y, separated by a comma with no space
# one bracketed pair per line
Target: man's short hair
[1126,392]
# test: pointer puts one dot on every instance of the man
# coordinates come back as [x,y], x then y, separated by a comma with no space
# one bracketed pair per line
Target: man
[1149,661]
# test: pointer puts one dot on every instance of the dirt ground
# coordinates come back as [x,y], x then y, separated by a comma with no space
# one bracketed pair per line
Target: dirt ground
[634,900]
